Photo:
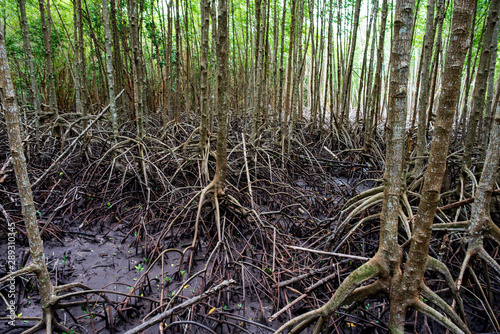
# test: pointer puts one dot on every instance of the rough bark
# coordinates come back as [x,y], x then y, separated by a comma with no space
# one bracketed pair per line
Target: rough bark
[481,225]
[205,26]
[376,105]
[222,92]
[109,68]
[136,65]
[10,108]
[77,8]
[365,56]
[479,92]
[31,68]
[348,77]
[430,30]
[411,285]
[489,111]
[49,65]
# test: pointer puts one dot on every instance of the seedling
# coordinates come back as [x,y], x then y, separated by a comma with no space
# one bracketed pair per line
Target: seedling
[139,268]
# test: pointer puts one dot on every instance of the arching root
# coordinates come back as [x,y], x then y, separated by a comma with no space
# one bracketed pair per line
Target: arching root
[367,271]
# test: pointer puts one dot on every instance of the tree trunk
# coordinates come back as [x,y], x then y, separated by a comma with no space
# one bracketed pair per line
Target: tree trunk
[376,105]
[31,68]
[205,27]
[222,99]
[481,224]
[117,57]
[79,69]
[109,68]
[428,42]
[491,88]
[414,269]
[47,38]
[365,55]
[11,110]
[260,16]
[479,91]
[348,76]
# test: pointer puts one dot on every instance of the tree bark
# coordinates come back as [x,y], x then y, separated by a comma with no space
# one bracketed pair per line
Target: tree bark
[47,38]
[348,77]
[109,68]
[430,30]
[376,103]
[31,67]
[418,254]
[479,91]
[222,92]
[205,27]
[10,108]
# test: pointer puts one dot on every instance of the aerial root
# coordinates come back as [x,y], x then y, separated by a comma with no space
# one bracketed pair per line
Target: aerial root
[367,203]
[483,254]
[321,325]
[39,326]
[486,304]
[444,307]
[69,286]
[432,313]
[439,267]
[367,271]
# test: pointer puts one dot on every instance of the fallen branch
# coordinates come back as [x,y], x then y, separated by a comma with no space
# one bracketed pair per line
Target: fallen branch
[180,307]
[354,257]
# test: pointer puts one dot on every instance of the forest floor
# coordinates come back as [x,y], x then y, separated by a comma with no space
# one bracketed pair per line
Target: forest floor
[101,230]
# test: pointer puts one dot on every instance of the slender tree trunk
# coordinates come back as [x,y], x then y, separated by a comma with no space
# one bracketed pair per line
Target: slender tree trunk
[368,87]
[430,31]
[178,68]
[77,9]
[187,68]
[376,103]
[260,16]
[109,68]
[117,57]
[365,55]
[348,77]
[479,91]
[289,80]
[282,113]
[47,38]
[10,109]
[222,100]
[205,27]
[31,67]
[296,98]
[470,72]
[489,98]
[136,66]
[435,65]
[395,134]
[414,269]
[481,224]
